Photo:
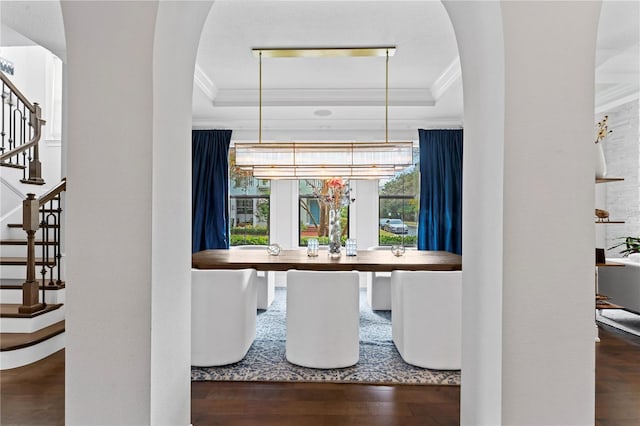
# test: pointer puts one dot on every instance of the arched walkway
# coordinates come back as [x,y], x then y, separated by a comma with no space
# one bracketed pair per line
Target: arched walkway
[528,116]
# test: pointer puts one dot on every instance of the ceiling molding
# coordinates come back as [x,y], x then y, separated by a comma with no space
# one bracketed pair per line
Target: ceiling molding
[323,97]
[448,78]
[204,83]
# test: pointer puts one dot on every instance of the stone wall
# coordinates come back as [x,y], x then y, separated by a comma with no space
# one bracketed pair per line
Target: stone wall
[622,151]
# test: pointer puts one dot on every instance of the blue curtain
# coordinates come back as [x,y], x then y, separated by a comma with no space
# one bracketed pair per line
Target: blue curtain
[210,189]
[440,219]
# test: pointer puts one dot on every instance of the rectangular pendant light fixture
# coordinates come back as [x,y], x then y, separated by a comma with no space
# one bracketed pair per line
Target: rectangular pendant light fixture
[362,160]
[359,160]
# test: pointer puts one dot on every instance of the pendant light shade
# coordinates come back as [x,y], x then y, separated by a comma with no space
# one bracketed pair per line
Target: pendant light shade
[362,160]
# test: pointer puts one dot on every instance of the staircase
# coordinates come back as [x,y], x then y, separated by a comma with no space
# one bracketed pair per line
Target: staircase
[32,291]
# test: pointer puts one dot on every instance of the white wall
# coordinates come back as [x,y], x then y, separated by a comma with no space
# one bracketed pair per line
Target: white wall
[109,298]
[528,198]
[143,288]
[548,202]
[621,199]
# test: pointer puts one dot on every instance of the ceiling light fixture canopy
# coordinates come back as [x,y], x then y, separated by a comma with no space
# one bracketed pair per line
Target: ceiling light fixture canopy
[294,160]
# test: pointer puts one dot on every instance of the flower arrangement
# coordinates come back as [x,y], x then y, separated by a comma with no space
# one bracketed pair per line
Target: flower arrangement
[334,192]
[603,129]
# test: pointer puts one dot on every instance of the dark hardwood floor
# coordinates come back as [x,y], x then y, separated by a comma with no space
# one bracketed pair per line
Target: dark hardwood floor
[34,395]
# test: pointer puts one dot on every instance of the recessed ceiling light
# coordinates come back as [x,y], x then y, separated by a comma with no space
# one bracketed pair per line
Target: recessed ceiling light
[322,112]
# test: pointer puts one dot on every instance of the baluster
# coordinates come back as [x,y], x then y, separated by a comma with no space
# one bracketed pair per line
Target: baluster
[45,249]
[3,133]
[57,240]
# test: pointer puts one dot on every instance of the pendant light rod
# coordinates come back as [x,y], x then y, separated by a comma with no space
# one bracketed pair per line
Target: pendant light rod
[386,100]
[260,101]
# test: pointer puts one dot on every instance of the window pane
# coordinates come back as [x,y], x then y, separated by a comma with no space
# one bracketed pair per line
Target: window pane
[314,216]
[399,206]
[249,206]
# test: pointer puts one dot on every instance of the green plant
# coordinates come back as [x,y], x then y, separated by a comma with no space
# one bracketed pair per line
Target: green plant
[631,244]
[252,240]
[249,230]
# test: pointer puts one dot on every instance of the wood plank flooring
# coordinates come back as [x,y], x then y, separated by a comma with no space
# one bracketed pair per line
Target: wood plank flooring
[35,395]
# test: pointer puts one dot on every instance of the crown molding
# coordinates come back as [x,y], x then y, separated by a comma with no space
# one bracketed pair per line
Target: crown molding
[323,97]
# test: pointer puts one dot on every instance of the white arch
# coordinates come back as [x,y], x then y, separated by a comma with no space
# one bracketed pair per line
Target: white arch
[130,70]
[130,74]
[528,184]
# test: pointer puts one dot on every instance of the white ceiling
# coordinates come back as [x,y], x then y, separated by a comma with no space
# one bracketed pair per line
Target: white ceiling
[424,74]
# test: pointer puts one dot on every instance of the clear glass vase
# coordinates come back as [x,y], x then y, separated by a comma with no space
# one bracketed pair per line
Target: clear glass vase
[335,232]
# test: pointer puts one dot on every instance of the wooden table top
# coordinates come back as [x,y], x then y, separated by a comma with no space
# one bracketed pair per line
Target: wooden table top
[366,260]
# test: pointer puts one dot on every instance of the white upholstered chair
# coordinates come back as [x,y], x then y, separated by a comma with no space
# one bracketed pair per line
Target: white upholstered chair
[426,319]
[323,319]
[265,280]
[223,315]
[379,287]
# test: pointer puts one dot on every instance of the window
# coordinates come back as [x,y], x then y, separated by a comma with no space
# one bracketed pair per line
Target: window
[399,206]
[313,216]
[249,200]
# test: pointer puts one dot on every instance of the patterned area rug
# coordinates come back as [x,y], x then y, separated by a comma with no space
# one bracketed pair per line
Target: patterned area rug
[620,319]
[380,362]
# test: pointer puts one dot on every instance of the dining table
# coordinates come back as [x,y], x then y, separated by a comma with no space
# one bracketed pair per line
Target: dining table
[363,261]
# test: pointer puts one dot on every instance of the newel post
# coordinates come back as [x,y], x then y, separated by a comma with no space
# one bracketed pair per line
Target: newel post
[35,167]
[30,224]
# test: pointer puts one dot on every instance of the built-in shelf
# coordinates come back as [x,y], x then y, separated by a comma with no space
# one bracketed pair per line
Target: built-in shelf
[601,299]
[606,180]
[603,304]
[608,264]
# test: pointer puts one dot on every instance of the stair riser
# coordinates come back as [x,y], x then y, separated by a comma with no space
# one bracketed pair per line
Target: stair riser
[19,271]
[21,250]
[15,251]
[28,355]
[15,296]
[29,325]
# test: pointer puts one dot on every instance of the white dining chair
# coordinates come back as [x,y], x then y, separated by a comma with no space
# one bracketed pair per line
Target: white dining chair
[223,315]
[323,319]
[426,320]
[265,280]
[379,287]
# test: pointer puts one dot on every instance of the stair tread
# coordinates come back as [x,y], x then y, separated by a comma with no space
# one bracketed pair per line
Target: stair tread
[10,310]
[20,242]
[16,261]
[19,225]
[13,341]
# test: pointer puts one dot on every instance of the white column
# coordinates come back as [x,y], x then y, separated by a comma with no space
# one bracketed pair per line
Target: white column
[129,76]
[363,218]
[283,221]
[528,350]
[109,202]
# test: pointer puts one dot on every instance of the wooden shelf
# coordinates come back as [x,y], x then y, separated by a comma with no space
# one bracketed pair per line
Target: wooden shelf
[608,264]
[609,221]
[607,180]
[603,304]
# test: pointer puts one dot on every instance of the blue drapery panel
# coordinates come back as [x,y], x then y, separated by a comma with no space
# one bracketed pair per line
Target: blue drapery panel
[210,189]
[440,220]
